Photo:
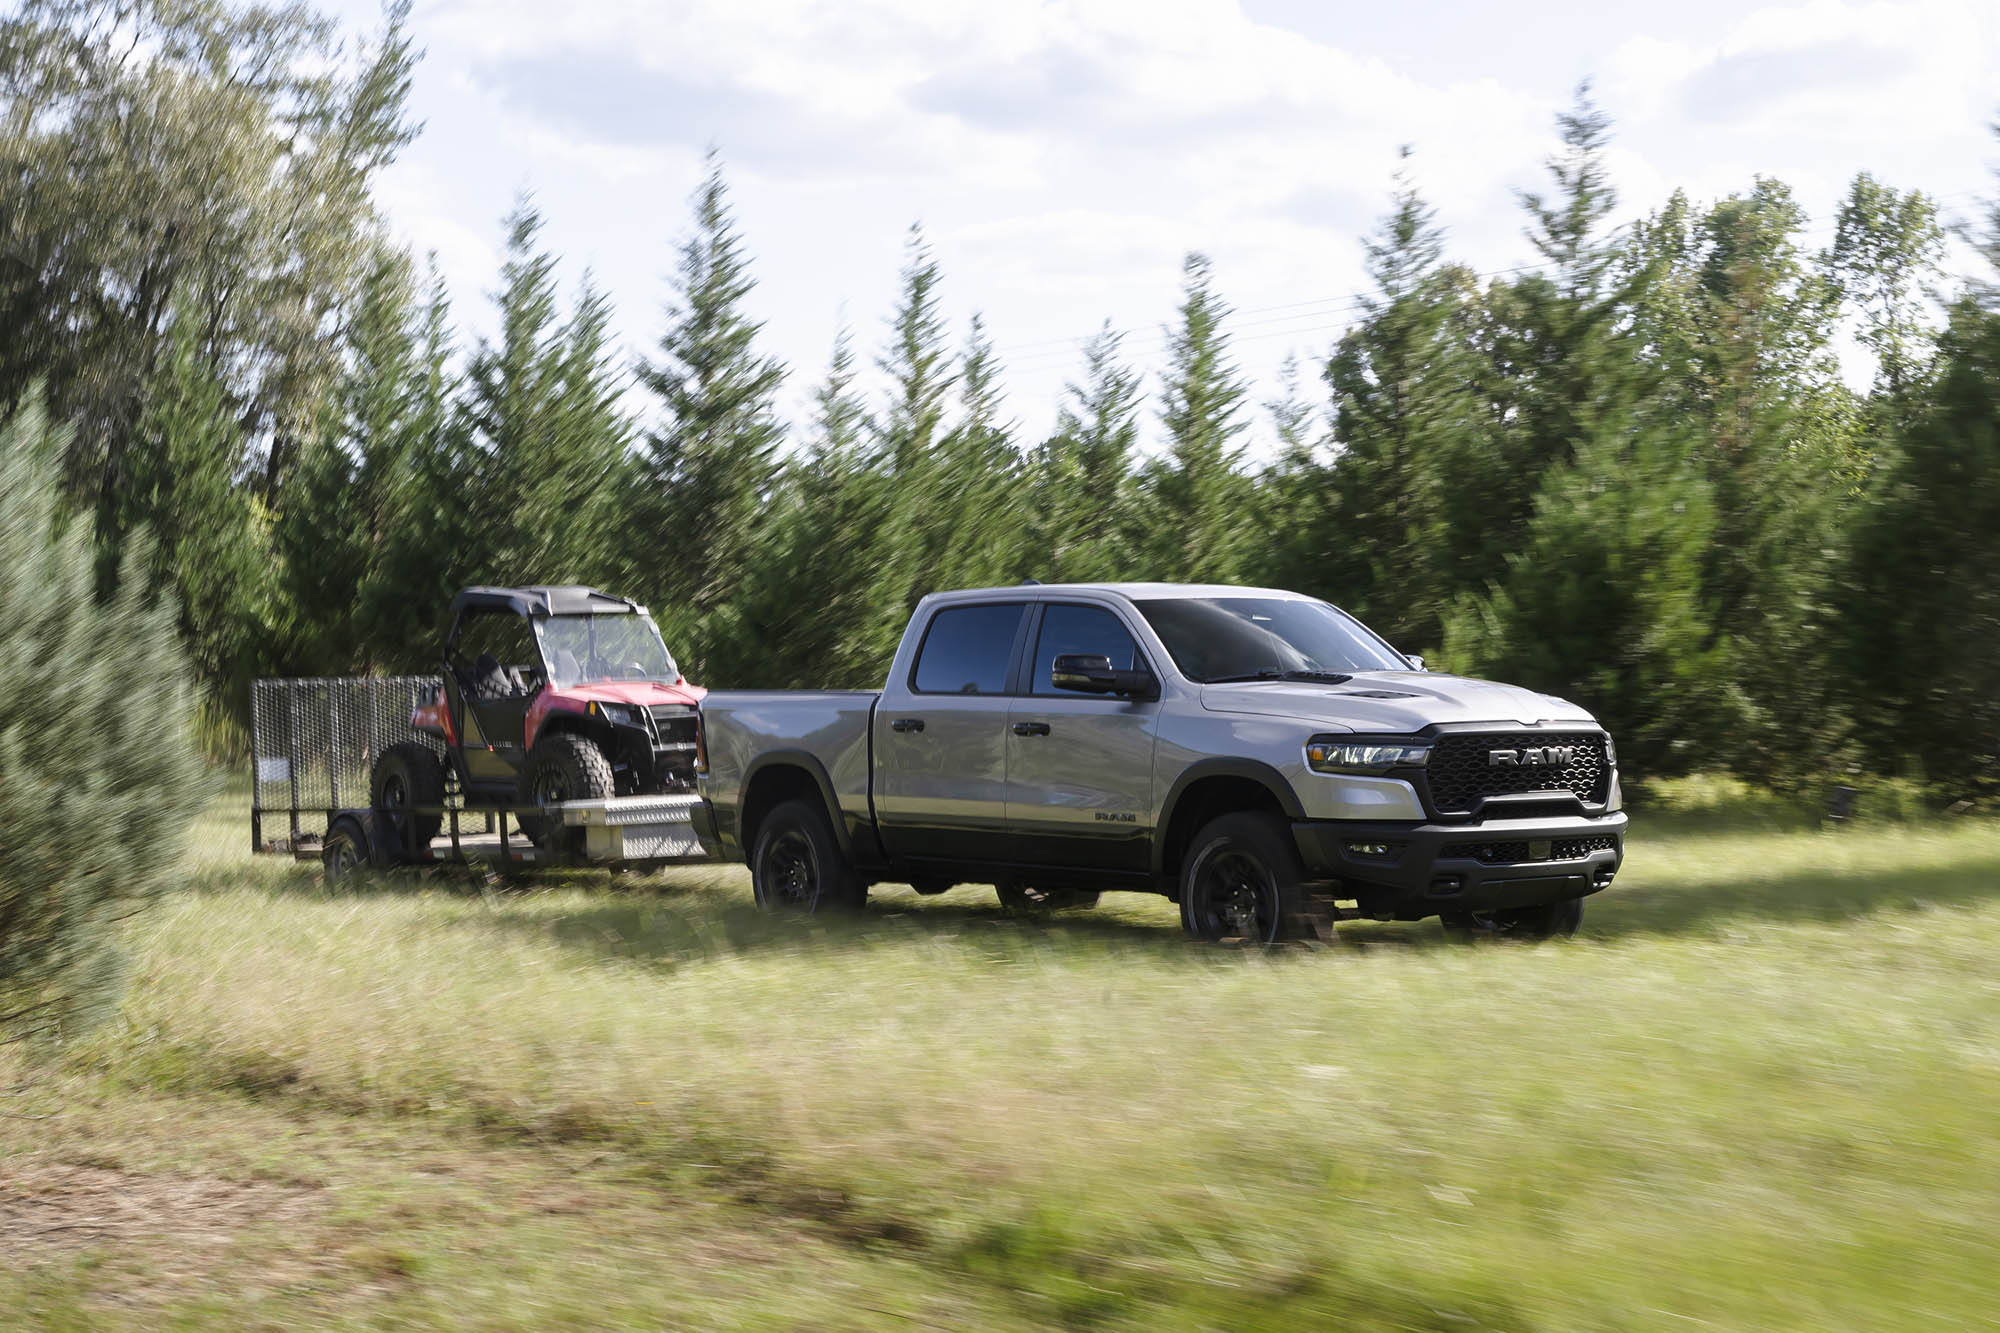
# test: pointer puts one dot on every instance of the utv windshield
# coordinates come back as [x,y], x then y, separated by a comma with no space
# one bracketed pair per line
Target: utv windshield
[579,649]
[1213,639]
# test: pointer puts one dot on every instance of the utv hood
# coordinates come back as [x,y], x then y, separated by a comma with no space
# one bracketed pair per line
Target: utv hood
[1393,702]
[648,692]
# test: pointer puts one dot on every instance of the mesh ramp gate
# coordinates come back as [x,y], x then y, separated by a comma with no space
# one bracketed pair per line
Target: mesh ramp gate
[314,741]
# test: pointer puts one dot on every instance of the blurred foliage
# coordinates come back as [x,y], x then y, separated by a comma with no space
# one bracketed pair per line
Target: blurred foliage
[1632,474]
[99,775]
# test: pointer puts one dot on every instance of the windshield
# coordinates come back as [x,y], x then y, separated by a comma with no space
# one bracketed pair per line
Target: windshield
[1257,638]
[611,647]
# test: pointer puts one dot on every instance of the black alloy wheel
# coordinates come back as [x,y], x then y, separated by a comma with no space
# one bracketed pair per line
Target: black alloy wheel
[1242,881]
[797,866]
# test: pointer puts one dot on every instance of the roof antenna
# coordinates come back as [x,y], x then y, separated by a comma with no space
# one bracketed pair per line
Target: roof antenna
[1030,583]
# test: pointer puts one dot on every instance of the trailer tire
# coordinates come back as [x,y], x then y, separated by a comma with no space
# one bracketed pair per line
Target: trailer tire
[797,864]
[409,774]
[564,767]
[352,847]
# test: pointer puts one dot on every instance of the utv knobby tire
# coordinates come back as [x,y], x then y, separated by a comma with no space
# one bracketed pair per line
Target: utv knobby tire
[1549,921]
[563,767]
[797,865]
[408,775]
[1243,881]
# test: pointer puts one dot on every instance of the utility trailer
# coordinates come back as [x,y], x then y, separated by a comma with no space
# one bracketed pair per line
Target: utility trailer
[314,746]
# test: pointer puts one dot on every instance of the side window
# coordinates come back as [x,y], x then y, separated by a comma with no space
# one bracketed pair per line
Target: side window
[496,655]
[1068,628]
[967,650]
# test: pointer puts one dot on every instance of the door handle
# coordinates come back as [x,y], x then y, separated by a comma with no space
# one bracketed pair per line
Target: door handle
[907,724]
[1031,728]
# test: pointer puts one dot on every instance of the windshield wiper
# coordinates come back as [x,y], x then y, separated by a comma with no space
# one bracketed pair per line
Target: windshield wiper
[1325,677]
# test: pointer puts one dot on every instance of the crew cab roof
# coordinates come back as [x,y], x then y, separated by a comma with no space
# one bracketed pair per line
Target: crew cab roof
[1136,592]
[545,600]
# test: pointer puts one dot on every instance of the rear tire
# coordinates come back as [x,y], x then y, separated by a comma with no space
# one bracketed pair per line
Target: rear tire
[797,864]
[564,767]
[1243,881]
[408,775]
[1549,921]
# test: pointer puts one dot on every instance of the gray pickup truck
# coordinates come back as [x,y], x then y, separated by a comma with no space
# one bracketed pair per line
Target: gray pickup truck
[1260,757]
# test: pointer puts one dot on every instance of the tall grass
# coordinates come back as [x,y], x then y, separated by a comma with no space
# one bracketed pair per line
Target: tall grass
[1757,1091]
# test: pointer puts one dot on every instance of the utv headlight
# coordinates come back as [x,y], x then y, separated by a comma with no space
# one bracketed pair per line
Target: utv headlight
[1328,754]
[618,715]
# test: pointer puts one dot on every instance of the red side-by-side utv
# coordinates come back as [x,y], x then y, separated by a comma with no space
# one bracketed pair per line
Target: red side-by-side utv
[550,695]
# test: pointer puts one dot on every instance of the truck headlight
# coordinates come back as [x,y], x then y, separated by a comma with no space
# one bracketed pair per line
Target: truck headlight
[1328,754]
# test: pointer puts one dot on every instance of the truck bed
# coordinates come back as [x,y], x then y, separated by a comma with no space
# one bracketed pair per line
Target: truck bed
[831,727]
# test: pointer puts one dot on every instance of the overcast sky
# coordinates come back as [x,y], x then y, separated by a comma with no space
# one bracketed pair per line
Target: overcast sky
[1063,156]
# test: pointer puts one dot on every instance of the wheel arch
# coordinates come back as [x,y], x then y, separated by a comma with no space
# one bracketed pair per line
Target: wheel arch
[780,776]
[1205,790]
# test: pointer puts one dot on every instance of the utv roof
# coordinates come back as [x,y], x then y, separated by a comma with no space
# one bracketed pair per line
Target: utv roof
[566,600]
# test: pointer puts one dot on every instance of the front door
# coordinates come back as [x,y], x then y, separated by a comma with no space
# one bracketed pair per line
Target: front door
[490,683]
[941,741]
[1080,766]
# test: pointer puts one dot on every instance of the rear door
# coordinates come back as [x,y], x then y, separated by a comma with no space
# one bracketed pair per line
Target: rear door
[1080,766]
[941,739]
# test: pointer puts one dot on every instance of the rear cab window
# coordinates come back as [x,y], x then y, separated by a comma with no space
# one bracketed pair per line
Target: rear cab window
[968,649]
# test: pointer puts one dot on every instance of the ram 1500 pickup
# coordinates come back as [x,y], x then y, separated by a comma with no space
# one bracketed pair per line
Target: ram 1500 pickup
[1260,757]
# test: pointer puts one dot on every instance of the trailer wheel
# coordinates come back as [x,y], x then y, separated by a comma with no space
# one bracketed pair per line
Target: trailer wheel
[409,775]
[348,851]
[797,865]
[564,767]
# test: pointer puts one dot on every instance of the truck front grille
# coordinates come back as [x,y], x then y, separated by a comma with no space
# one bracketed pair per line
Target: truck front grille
[1462,771]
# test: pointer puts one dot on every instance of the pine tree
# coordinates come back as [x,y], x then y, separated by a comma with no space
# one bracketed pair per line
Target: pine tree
[1604,603]
[179,483]
[1409,434]
[1197,497]
[1084,524]
[917,362]
[541,410]
[427,548]
[711,465]
[1922,595]
[99,777]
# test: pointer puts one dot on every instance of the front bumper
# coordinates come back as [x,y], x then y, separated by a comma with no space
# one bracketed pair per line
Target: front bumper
[1489,866]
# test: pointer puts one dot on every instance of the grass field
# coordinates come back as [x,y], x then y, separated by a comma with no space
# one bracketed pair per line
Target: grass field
[1761,1090]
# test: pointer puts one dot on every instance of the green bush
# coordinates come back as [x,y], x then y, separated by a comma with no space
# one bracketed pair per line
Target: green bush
[99,776]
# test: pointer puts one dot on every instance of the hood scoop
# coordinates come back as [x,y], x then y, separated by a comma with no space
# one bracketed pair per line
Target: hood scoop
[1374,694]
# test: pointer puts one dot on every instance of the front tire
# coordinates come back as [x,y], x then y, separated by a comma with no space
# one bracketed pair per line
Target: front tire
[797,864]
[409,776]
[1550,921]
[1243,882]
[564,767]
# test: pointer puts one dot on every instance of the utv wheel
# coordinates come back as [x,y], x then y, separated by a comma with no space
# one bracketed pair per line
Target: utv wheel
[797,864]
[409,776]
[1022,898]
[564,767]
[1547,922]
[1242,881]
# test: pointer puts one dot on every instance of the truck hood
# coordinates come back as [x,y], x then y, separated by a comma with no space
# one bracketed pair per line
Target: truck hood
[632,692]
[1392,702]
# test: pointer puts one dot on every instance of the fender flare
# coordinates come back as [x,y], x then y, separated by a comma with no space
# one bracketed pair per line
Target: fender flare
[1263,774]
[814,769]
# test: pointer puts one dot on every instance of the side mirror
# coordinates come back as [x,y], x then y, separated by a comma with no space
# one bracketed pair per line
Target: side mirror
[1416,663]
[1092,673]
